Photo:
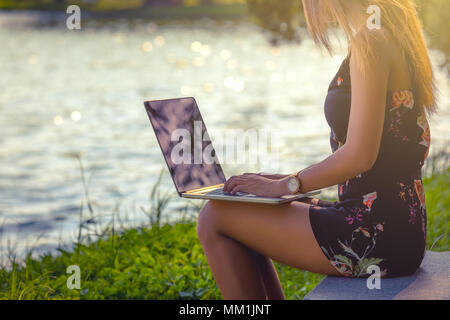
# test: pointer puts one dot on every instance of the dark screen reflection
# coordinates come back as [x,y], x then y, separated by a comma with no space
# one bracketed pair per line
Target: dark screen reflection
[180,131]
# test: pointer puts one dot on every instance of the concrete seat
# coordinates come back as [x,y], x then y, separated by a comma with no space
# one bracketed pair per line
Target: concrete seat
[430,282]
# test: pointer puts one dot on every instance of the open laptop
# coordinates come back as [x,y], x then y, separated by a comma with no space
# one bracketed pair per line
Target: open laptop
[192,162]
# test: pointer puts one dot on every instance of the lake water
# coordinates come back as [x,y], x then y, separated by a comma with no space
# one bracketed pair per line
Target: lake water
[81,92]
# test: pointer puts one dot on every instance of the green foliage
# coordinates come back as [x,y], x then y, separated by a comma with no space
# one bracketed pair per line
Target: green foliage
[167,262]
[437,189]
[157,263]
[106,5]
[36,4]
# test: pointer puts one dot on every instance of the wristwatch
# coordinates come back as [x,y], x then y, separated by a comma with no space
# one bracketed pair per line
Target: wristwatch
[294,184]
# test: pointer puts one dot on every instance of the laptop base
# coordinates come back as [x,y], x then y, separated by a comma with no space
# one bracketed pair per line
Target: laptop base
[249,198]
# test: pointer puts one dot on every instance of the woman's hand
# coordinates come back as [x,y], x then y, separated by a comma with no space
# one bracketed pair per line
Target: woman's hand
[257,185]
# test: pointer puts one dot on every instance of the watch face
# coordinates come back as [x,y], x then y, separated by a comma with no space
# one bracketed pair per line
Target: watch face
[293,185]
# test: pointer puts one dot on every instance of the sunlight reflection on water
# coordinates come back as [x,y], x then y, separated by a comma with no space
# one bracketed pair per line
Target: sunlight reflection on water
[82,92]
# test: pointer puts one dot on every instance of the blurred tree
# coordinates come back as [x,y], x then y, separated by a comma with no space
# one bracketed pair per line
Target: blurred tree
[435,15]
[282,18]
[149,3]
[38,3]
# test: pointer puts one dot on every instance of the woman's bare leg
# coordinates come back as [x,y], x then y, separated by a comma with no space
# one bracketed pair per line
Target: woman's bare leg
[269,275]
[229,258]
[232,232]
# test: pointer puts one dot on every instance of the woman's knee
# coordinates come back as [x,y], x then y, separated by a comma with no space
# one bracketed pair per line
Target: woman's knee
[208,222]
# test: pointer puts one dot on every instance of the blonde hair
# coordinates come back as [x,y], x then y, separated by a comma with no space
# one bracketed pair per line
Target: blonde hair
[398,17]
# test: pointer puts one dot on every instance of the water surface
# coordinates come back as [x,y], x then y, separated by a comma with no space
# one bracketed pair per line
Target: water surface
[81,92]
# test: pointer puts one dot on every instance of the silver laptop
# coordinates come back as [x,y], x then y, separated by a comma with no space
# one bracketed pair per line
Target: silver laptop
[179,129]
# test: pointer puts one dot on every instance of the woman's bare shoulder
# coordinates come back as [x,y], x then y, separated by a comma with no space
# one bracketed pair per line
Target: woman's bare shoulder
[373,46]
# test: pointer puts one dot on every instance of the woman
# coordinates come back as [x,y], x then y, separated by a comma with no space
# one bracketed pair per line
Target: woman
[376,107]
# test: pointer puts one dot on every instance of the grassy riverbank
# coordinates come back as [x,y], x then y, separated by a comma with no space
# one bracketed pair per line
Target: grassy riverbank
[167,262]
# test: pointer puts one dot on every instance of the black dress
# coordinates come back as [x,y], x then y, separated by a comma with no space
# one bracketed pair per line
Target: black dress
[380,218]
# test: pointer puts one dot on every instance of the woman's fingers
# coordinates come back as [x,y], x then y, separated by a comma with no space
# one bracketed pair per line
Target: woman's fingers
[231,183]
[227,183]
[237,189]
[235,183]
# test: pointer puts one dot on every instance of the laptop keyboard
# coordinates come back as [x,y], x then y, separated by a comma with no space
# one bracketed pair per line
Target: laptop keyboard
[220,192]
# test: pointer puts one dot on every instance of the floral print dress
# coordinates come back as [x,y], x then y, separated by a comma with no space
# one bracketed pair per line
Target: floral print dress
[380,218]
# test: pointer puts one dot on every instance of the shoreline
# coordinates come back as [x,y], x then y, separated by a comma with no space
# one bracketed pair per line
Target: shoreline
[216,12]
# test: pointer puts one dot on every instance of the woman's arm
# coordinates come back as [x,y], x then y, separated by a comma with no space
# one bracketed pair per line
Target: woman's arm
[368,104]
[365,128]
[272,176]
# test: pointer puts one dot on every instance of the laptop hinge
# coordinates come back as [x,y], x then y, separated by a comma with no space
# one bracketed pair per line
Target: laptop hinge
[205,189]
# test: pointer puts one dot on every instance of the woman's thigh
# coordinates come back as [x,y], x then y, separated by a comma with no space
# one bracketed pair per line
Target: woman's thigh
[282,232]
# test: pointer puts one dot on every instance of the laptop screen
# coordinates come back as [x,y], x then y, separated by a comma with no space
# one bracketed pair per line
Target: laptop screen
[185,144]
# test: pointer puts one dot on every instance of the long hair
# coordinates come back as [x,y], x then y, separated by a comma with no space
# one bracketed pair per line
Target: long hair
[398,17]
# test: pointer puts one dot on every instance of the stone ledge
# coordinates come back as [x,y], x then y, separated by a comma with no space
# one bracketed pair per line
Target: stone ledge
[430,282]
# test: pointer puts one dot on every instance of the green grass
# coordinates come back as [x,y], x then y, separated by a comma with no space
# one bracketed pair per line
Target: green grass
[167,262]
[157,263]
[437,190]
